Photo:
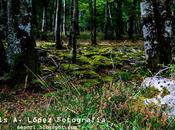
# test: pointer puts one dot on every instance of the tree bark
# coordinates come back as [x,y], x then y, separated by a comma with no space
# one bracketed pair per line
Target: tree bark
[119,23]
[1,7]
[58,24]
[44,27]
[132,16]
[54,16]
[77,23]
[157,32]
[173,31]
[108,22]
[73,31]
[44,20]
[93,21]
[2,58]
[34,13]
[64,18]
[2,50]
[21,54]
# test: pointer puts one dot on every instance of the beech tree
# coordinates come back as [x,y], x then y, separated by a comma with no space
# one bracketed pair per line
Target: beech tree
[157,32]
[58,24]
[108,30]
[44,19]
[118,23]
[2,57]
[64,18]
[34,12]
[73,32]
[77,22]
[2,50]
[173,31]
[132,17]
[44,25]
[93,21]
[21,54]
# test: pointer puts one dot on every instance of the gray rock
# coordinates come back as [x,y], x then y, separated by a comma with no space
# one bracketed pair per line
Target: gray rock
[161,83]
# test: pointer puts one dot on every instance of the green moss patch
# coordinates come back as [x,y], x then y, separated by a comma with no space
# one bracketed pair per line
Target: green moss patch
[165,92]
[61,54]
[82,59]
[99,61]
[151,92]
[105,51]
[107,78]
[70,67]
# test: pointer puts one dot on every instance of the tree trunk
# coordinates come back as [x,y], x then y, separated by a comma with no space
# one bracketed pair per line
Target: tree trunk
[73,30]
[64,18]
[44,20]
[21,54]
[2,58]
[1,7]
[132,16]
[34,13]
[173,31]
[58,24]
[77,23]
[54,16]
[157,32]
[93,21]
[108,22]
[71,17]
[2,50]
[44,26]
[119,23]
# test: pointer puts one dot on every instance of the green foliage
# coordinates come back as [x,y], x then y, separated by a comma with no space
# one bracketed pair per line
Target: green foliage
[172,70]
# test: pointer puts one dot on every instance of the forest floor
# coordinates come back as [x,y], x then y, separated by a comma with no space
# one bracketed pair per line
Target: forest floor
[101,91]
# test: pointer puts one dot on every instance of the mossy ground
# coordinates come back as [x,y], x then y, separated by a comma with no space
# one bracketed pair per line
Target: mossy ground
[103,86]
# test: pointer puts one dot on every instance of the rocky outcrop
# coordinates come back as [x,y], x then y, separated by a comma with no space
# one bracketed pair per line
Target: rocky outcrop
[165,93]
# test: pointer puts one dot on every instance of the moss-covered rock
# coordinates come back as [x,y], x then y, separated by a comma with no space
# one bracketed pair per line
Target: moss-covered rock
[151,92]
[81,59]
[70,67]
[165,92]
[108,78]
[105,51]
[160,91]
[88,74]
[99,61]
[61,54]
